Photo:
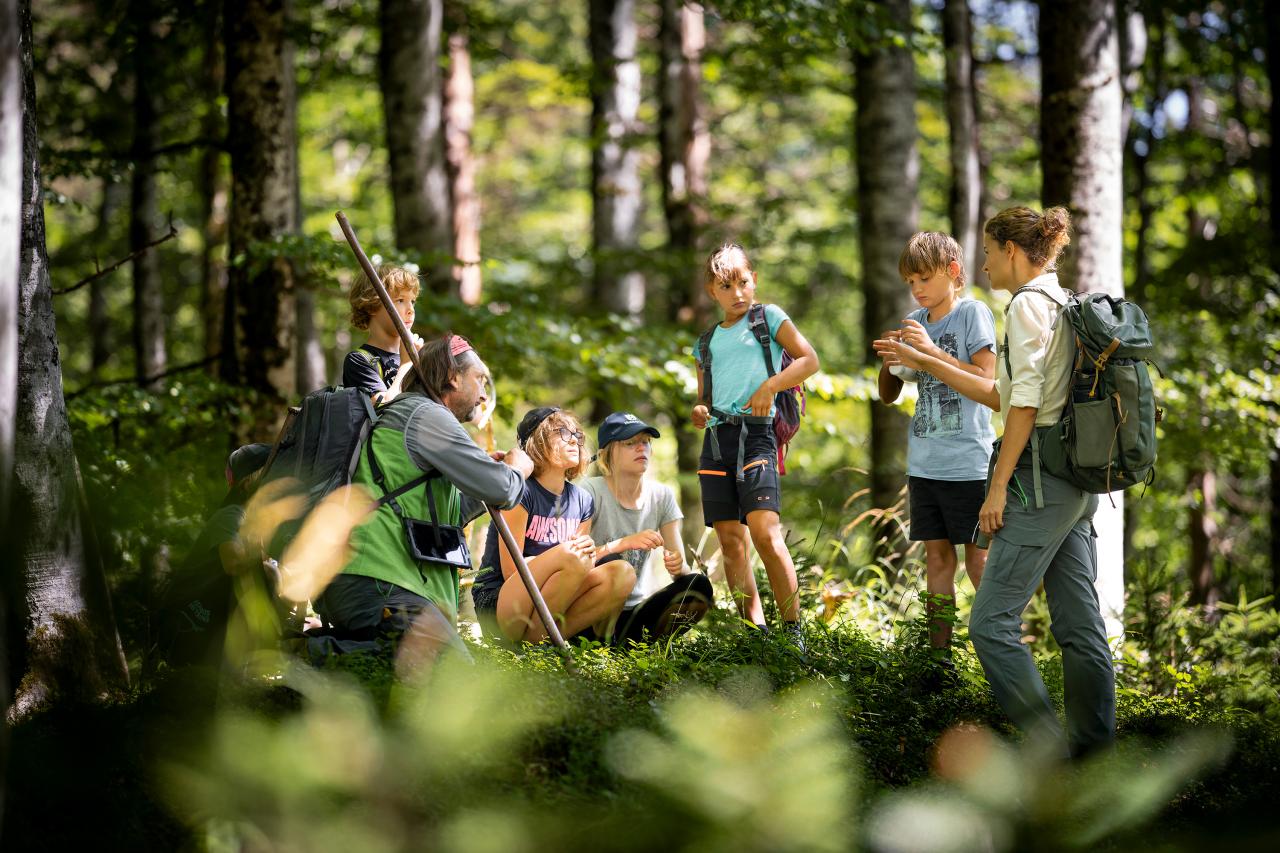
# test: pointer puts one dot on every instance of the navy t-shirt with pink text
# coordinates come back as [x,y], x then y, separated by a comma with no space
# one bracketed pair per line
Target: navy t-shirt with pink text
[552,519]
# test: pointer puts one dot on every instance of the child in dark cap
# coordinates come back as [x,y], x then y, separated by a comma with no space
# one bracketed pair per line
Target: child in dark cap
[634,518]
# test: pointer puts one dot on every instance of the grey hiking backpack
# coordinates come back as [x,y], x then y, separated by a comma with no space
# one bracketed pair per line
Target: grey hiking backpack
[1105,439]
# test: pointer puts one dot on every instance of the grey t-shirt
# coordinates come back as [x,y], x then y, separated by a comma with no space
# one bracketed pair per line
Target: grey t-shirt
[656,507]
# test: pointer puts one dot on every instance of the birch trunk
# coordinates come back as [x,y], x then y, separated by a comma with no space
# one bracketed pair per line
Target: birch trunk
[10,268]
[1081,155]
[615,180]
[412,83]
[888,210]
[71,646]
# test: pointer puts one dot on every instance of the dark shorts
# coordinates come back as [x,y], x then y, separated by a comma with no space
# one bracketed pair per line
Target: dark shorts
[723,497]
[945,509]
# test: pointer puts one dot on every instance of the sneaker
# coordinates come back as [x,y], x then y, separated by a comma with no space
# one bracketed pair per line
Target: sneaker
[794,635]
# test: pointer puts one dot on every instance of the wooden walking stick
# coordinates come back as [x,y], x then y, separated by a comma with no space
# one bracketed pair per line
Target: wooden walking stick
[500,523]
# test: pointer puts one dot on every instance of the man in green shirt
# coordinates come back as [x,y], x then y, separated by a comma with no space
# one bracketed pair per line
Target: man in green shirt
[385,599]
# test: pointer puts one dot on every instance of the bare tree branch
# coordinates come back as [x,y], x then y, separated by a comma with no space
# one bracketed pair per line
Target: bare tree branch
[173,232]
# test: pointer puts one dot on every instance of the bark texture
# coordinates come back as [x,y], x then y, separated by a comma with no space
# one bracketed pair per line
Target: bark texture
[1082,151]
[410,74]
[1273,78]
[888,171]
[685,149]
[149,354]
[965,204]
[1202,527]
[459,118]
[213,193]
[615,179]
[260,293]
[62,607]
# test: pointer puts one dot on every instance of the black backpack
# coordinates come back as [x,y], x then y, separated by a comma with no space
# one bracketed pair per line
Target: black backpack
[789,403]
[319,447]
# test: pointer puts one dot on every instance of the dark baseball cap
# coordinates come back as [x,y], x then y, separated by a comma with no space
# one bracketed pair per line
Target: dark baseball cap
[531,421]
[244,461]
[620,426]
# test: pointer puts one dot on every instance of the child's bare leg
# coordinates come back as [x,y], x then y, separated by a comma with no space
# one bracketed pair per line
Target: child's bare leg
[975,560]
[600,598]
[559,573]
[940,581]
[732,536]
[766,534]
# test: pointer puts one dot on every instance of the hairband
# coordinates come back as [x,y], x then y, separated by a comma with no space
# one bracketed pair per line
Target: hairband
[458,345]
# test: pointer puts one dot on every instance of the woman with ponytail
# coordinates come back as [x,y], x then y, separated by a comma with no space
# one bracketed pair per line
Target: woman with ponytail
[1041,527]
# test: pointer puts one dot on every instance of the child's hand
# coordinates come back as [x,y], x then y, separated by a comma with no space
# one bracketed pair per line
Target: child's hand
[645,540]
[896,352]
[914,334]
[673,562]
[761,401]
[700,415]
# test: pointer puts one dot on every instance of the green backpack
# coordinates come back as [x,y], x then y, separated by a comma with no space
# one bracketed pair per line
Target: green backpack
[1105,440]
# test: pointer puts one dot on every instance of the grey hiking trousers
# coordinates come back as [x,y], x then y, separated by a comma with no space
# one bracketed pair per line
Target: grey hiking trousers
[1056,545]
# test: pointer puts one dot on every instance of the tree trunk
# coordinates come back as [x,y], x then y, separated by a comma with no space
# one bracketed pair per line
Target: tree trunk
[149,355]
[114,196]
[684,142]
[261,293]
[966,179]
[888,210]
[213,193]
[459,118]
[615,179]
[1203,530]
[312,373]
[71,648]
[1081,159]
[1273,79]
[413,102]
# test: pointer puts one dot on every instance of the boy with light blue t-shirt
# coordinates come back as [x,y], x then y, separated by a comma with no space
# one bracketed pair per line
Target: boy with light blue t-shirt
[950,438]
[738,469]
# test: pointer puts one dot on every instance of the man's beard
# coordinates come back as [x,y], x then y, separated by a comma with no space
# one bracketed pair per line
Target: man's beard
[466,415]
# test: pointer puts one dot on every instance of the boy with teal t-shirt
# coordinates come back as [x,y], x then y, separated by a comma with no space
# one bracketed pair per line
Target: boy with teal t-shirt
[738,469]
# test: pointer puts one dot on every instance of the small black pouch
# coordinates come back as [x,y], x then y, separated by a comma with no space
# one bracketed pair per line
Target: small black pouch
[428,541]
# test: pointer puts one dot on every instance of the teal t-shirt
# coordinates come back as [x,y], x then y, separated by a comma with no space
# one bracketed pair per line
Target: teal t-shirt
[737,362]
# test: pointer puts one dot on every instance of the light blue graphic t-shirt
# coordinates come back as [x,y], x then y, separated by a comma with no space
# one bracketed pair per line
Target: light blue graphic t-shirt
[737,362]
[951,436]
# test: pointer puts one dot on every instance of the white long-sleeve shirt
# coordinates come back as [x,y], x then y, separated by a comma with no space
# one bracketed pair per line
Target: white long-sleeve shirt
[1040,352]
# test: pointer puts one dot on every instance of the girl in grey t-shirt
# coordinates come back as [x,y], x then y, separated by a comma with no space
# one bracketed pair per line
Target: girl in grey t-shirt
[633,518]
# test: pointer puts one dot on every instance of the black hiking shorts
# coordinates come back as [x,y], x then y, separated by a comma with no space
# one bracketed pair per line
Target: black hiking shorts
[945,509]
[724,497]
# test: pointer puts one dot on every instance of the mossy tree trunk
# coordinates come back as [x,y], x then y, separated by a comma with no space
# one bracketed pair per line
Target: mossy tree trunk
[966,179]
[62,603]
[261,293]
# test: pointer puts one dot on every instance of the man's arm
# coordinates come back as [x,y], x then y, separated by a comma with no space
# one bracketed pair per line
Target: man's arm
[436,441]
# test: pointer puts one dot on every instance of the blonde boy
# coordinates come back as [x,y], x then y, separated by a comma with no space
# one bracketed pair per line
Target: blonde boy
[950,438]
[375,366]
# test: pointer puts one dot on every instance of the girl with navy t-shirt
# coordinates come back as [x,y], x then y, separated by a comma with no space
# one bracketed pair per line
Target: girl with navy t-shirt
[552,526]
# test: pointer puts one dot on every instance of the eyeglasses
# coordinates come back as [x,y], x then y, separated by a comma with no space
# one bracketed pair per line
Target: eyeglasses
[567,435]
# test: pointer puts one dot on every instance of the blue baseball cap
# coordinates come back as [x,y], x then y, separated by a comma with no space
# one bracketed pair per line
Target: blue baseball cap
[620,426]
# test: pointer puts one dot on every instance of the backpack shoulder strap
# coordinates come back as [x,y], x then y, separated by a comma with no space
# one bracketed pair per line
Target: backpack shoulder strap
[704,361]
[375,361]
[760,328]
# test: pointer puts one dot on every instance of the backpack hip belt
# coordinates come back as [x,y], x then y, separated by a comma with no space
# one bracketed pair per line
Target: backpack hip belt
[739,421]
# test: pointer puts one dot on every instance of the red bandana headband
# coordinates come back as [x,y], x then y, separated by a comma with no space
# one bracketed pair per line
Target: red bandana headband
[458,345]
